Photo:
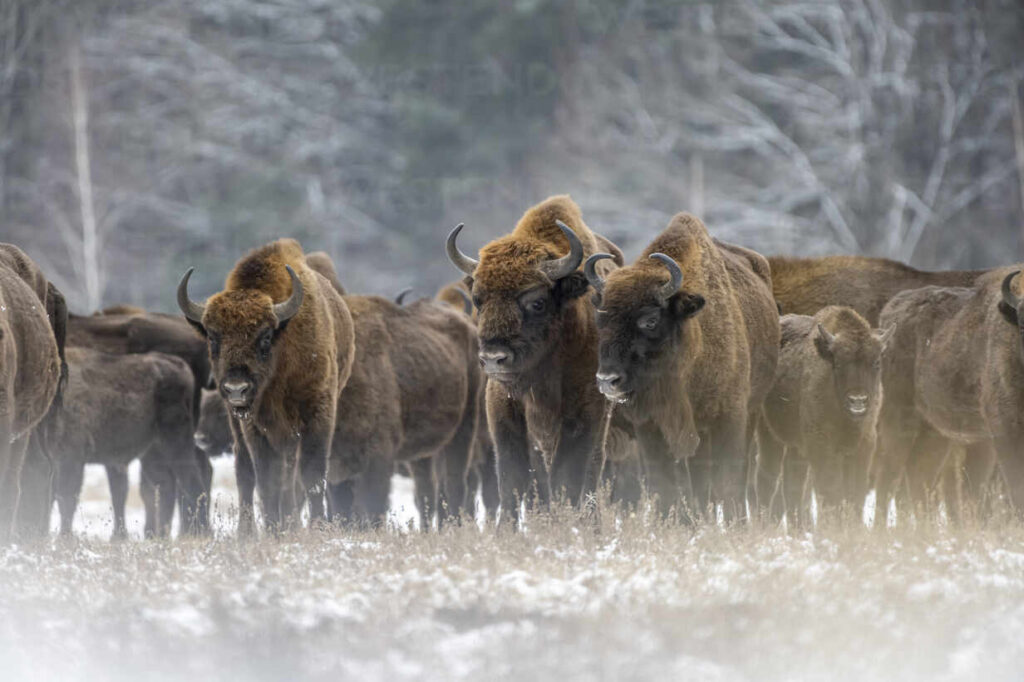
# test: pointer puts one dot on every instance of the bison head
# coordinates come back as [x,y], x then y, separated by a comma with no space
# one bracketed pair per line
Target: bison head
[854,354]
[521,290]
[241,327]
[640,318]
[213,433]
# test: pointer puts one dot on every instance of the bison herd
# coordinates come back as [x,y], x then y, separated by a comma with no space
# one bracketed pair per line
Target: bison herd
[703,378]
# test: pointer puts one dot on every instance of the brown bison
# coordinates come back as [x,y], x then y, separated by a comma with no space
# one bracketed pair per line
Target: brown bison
[281,345]
[538,346]
[821,413]
[129,330]
[803,286]
[689,338]
[412,398]
[213,431]
[954,373]
[118,408]
[30,371]
[318,261]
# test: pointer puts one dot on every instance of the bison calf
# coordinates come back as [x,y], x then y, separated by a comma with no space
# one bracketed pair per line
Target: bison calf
[821,413]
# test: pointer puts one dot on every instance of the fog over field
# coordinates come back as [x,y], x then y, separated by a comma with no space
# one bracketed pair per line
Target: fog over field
[567,600]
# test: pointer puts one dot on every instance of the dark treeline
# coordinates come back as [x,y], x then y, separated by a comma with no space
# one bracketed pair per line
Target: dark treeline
[138,138]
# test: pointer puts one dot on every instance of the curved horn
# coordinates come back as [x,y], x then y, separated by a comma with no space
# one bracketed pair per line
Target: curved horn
[557,268]
[467,302]
[1009,298]
[459,259]
[193,311]
[676,279]
[286,310]
[592,276]
[401,295]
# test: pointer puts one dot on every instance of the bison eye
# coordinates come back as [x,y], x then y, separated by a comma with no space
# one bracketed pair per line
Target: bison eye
[538,306]
[214,346]
[264,343]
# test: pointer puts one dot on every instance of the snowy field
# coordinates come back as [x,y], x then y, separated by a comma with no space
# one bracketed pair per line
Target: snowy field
[616,599]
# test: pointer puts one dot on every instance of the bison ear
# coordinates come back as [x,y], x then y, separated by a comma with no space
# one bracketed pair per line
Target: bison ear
[468,281]
[571,287]
[683,305]
[1008,313]
[823,341]
[885,335]
[198,327]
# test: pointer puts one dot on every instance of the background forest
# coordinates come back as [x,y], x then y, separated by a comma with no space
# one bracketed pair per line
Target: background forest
[137,138]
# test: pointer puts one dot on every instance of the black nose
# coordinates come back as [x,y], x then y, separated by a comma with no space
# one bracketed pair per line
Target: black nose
[608,380]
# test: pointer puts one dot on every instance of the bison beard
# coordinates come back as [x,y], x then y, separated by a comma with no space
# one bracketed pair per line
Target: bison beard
[688,343]
[538,345]
[281,347]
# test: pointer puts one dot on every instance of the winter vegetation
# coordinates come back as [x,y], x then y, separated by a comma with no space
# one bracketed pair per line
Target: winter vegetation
[572,598]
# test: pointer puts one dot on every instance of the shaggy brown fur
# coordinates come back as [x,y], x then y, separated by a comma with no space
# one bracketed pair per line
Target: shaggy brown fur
[121,309]
[413,398]
[30,371]
[213,432]
[822,411]
[542,391]
[136,331]
[690,369]
[954,373]
[117,408]
[319,261]
[291,375]
[803,286]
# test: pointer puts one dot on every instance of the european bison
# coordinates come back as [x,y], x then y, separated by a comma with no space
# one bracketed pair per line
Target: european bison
[117,408]
[689,338]
[803,286]
[954,372]
[319,261]
[538,346]
[821,413]
[281,345]
[30,371]
[126,329]
[412,398]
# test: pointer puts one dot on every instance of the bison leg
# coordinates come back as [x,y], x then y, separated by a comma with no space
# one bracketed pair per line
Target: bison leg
[795,472]
[36,500]
[458,455]
[315,446]
[979,464]
[340,501]
[729,467]
[489,490]
[924,469]
[425,487]
[12,456]
[508,431]
[245,481]
[158,488]
[373,490]
[117,481]
[1011,460]
[771,452]
[659,468]
[68,488]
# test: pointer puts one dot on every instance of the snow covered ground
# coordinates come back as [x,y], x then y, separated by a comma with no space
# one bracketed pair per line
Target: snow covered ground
[615,599]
